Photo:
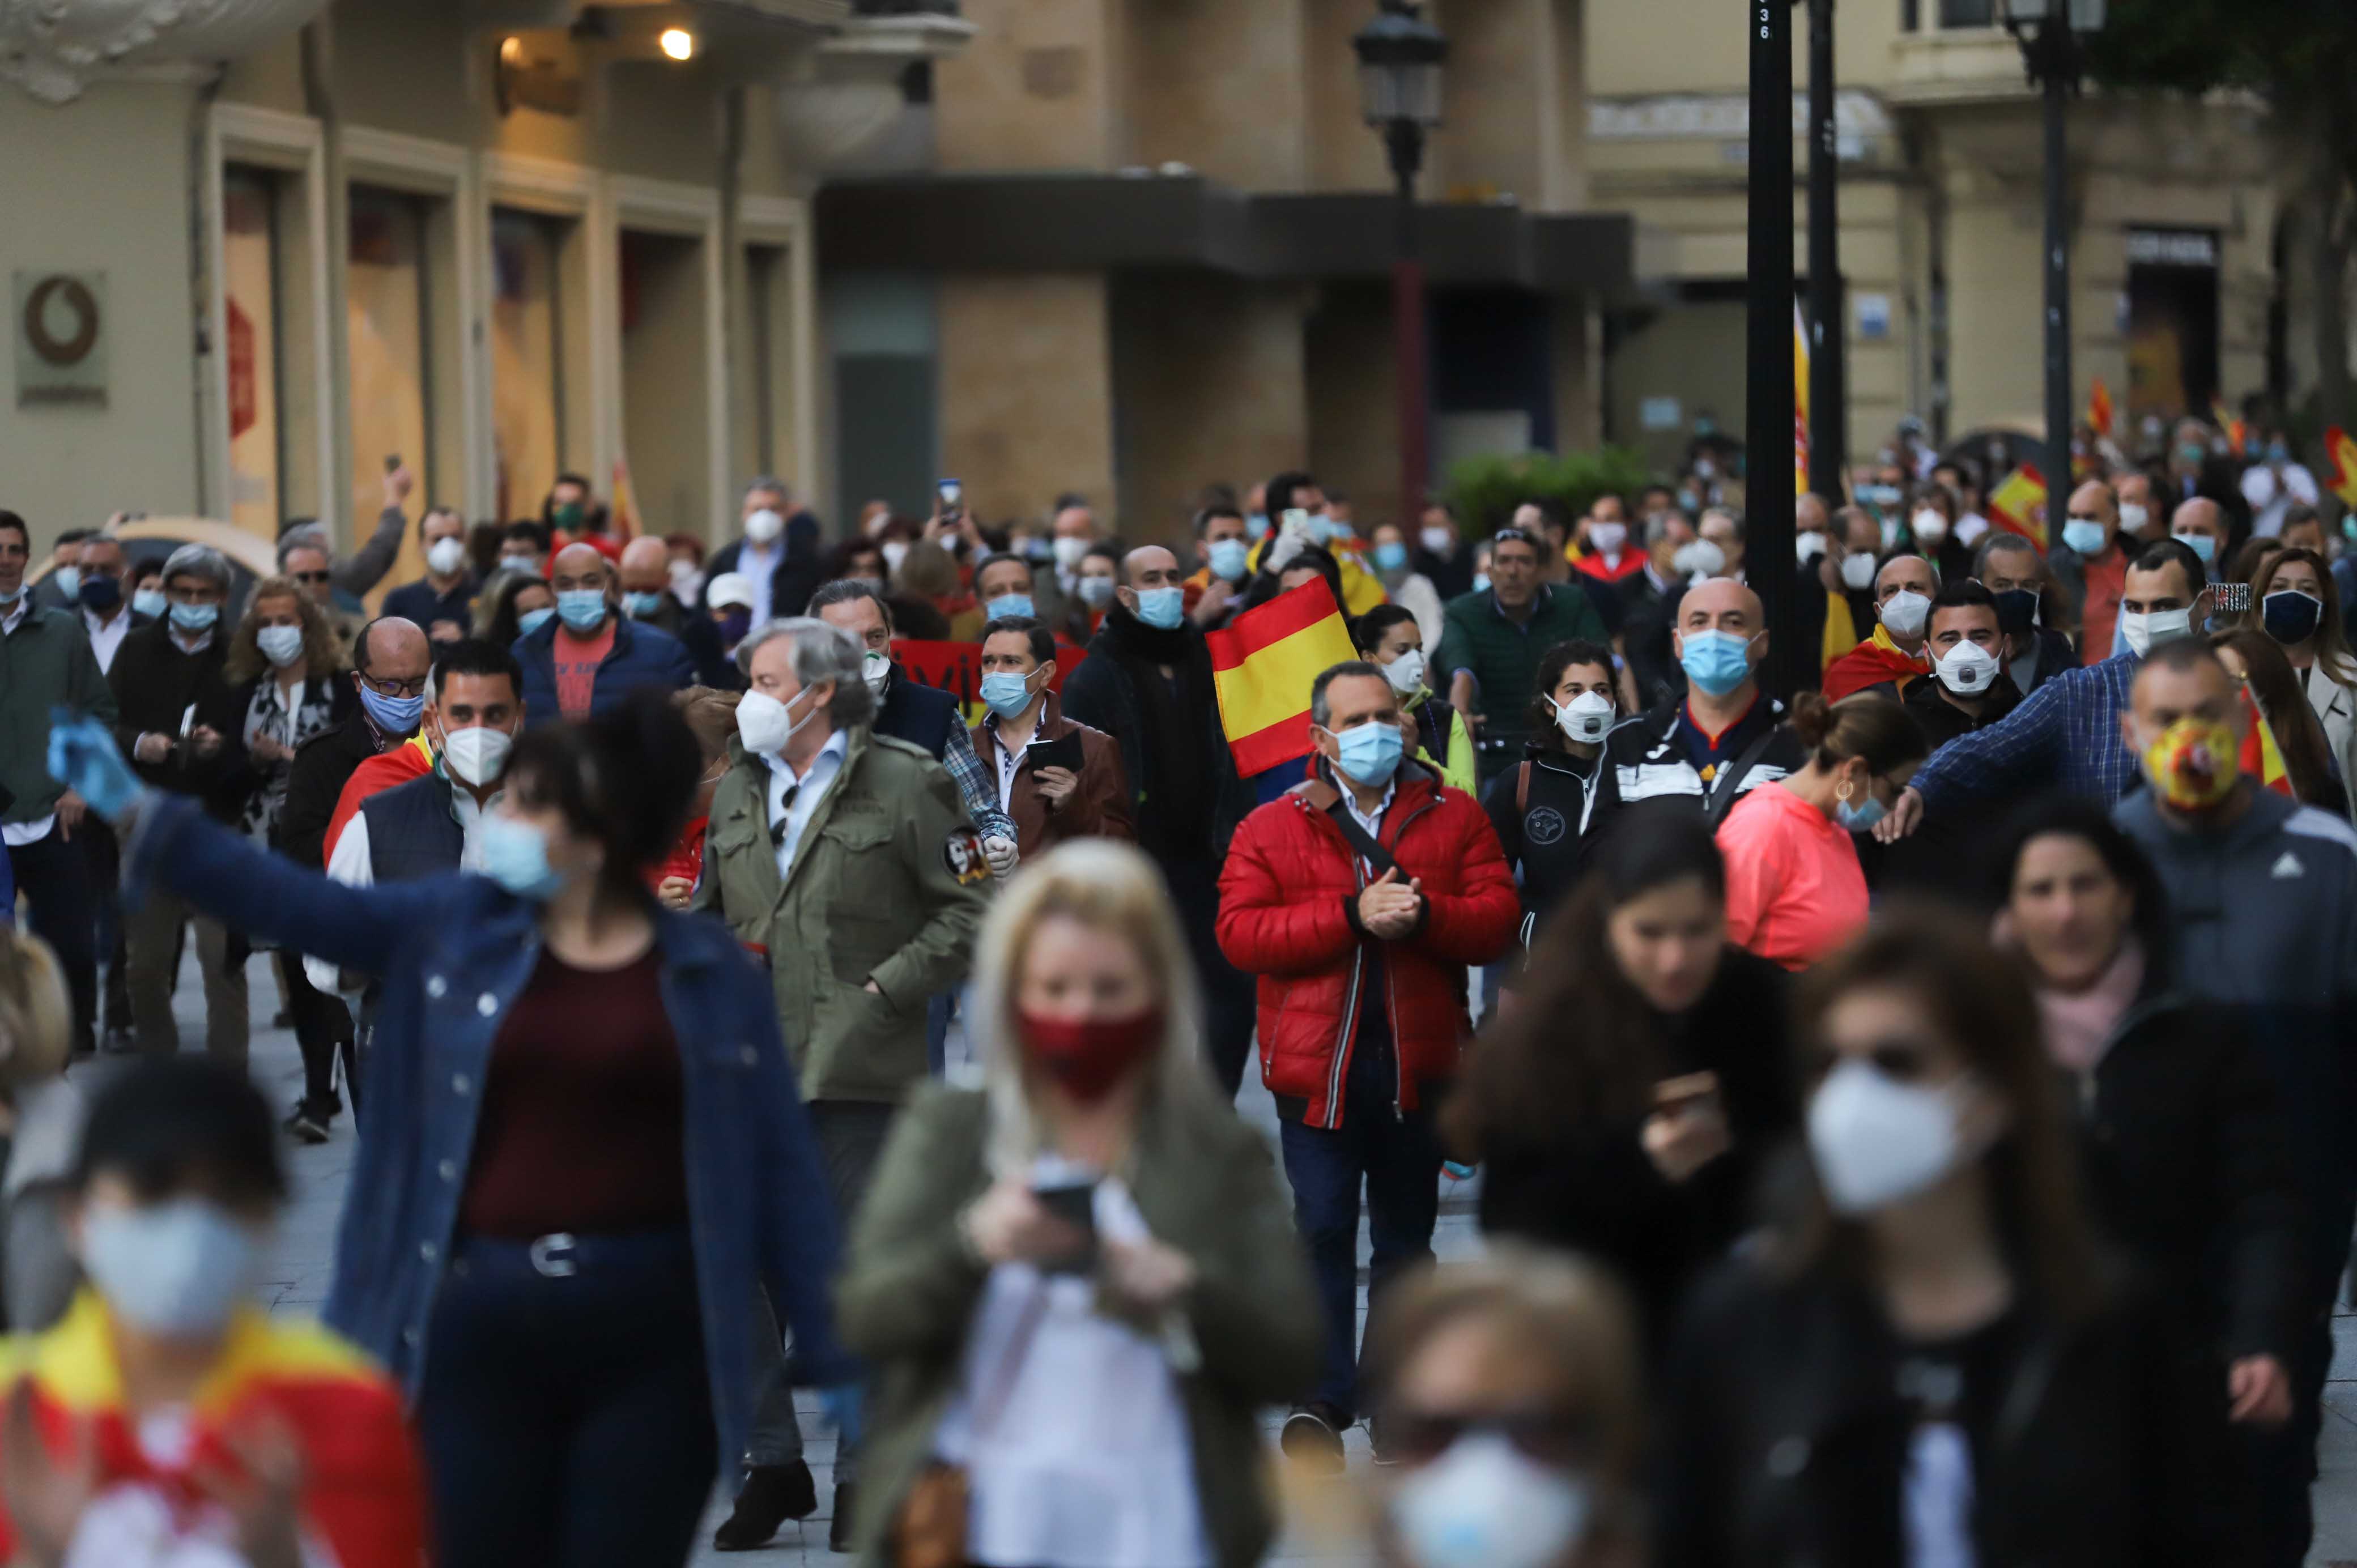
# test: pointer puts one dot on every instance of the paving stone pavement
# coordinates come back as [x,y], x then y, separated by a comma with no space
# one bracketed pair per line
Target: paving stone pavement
[1326,1526]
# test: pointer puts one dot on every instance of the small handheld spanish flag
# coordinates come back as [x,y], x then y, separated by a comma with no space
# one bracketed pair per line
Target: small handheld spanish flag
[2018,505]
[1262,664]
[2237,433]
[2262,757]
[2341,453]
[1800,401]
[2099,409]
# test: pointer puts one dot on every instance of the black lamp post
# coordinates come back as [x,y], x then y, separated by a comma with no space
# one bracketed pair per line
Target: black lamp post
[1772,401]
[2050,32]
[1400,56]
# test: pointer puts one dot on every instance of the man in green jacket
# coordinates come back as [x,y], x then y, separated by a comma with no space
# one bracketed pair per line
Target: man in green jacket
[1493,639]
[45,663]
[848,858]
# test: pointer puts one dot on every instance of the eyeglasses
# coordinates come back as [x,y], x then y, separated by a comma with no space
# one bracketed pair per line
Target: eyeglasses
[383,688]
[1549,1437]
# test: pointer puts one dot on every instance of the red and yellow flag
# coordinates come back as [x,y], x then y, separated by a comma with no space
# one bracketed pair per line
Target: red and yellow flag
[2341,453]
[2099,408]
[622,510]
[2262,757]
[1800,402]
[2237,433]
[1263,663]
[2018,505]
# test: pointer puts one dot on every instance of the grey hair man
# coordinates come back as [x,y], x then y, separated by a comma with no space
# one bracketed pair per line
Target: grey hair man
[848,856]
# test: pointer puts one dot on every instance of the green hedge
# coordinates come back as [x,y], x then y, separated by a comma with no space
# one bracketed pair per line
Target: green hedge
[1485,490]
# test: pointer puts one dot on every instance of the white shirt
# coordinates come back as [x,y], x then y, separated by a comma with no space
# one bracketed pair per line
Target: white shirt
[805,793]
[1087,1460]
[2270,500]
[14,617]
[354,864]
[1010,757]
[105,637]
[760,564]
[1372,824]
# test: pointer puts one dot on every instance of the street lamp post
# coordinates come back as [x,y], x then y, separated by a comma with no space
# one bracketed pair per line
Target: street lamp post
[2049,33]
[1400,57]
[1829,343]
[1772,402]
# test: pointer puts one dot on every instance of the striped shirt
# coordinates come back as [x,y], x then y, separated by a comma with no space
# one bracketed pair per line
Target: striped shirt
[2066,736]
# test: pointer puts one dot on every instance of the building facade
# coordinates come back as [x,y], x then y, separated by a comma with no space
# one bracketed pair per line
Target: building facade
[1147,244]
[2176,210]
[497,240]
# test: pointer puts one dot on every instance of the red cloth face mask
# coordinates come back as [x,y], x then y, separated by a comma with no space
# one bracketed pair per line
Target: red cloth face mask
[1089,1056]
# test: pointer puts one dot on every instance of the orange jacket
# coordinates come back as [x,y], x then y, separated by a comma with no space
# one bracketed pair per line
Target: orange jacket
[363,1495]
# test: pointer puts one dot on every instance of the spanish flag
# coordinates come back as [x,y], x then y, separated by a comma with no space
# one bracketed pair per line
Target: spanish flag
[2262,757]
[2236,432]
[2099,409]
[2341,452]
[2018,505]
[413,759]
[622,510]
[1800,401]
[1263,663]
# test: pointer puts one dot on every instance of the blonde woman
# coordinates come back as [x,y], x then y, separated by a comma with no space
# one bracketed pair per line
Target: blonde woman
[41,1116]
[283,670]
[1079,1284]
[1508,1388]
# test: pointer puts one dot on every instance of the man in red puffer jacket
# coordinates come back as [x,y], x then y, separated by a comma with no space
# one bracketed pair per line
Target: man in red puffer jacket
[1359,899]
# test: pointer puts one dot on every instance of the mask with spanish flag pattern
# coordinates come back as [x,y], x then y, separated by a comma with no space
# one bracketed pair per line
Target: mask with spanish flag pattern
[2194,765]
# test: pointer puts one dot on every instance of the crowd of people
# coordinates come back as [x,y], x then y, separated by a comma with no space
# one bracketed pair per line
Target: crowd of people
[1909,1118]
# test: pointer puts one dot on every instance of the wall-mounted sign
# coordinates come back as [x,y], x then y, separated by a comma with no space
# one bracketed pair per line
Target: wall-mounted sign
[1873,316]
[61,340]
[1659,413]
[2172,248]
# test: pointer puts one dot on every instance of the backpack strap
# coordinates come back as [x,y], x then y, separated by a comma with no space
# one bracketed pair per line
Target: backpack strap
[1522,789]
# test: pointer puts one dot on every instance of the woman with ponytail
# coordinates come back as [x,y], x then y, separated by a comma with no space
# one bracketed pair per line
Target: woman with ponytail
[1794,887]
[581,1152]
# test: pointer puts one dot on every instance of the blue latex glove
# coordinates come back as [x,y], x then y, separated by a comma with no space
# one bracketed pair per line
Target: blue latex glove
[84,758]
[842,1404]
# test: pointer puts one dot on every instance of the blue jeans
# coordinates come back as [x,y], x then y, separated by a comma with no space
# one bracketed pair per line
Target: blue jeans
[1398,1158]
[566,1420]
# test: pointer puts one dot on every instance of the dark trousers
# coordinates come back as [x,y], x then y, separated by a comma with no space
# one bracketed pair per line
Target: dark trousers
[567,1420]
[1398,1160]
[53,874]
[851,1135]
[103,852]
[322,1024]
[1228,1001]
[2279,1463]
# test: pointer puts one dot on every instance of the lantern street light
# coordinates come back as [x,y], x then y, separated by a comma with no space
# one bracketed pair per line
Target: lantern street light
[1400,58]
[2051,33]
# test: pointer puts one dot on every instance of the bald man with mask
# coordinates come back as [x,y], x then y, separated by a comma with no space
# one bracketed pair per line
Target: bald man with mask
[1723,737]
[1148,683]
[588,656]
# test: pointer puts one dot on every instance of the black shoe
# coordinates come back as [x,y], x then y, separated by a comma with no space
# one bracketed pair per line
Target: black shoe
[309,1125]
[1313,1438]
[772,1495]
[838,1529]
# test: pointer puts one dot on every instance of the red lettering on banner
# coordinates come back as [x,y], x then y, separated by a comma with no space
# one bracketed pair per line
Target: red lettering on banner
[956,668]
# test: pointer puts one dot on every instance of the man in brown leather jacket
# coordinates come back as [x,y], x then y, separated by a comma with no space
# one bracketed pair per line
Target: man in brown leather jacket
[1048,800]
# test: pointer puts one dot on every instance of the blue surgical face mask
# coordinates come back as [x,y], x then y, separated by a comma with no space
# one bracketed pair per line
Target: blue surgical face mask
[515,856]
[1230,558]
[195,617]
[582,609]
[640,605]
[2201,544]
[1480,582]
[1005,693]
[532,620]
[1391,555]
[1162,608]
[1717,662]
[394,715]
[150,602]
[67,579]
[1370,752]
[2084,538]
[180,1268]
[1097,592]
[1256,524]
[1007,605]
[1858,818]
[1330,530]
